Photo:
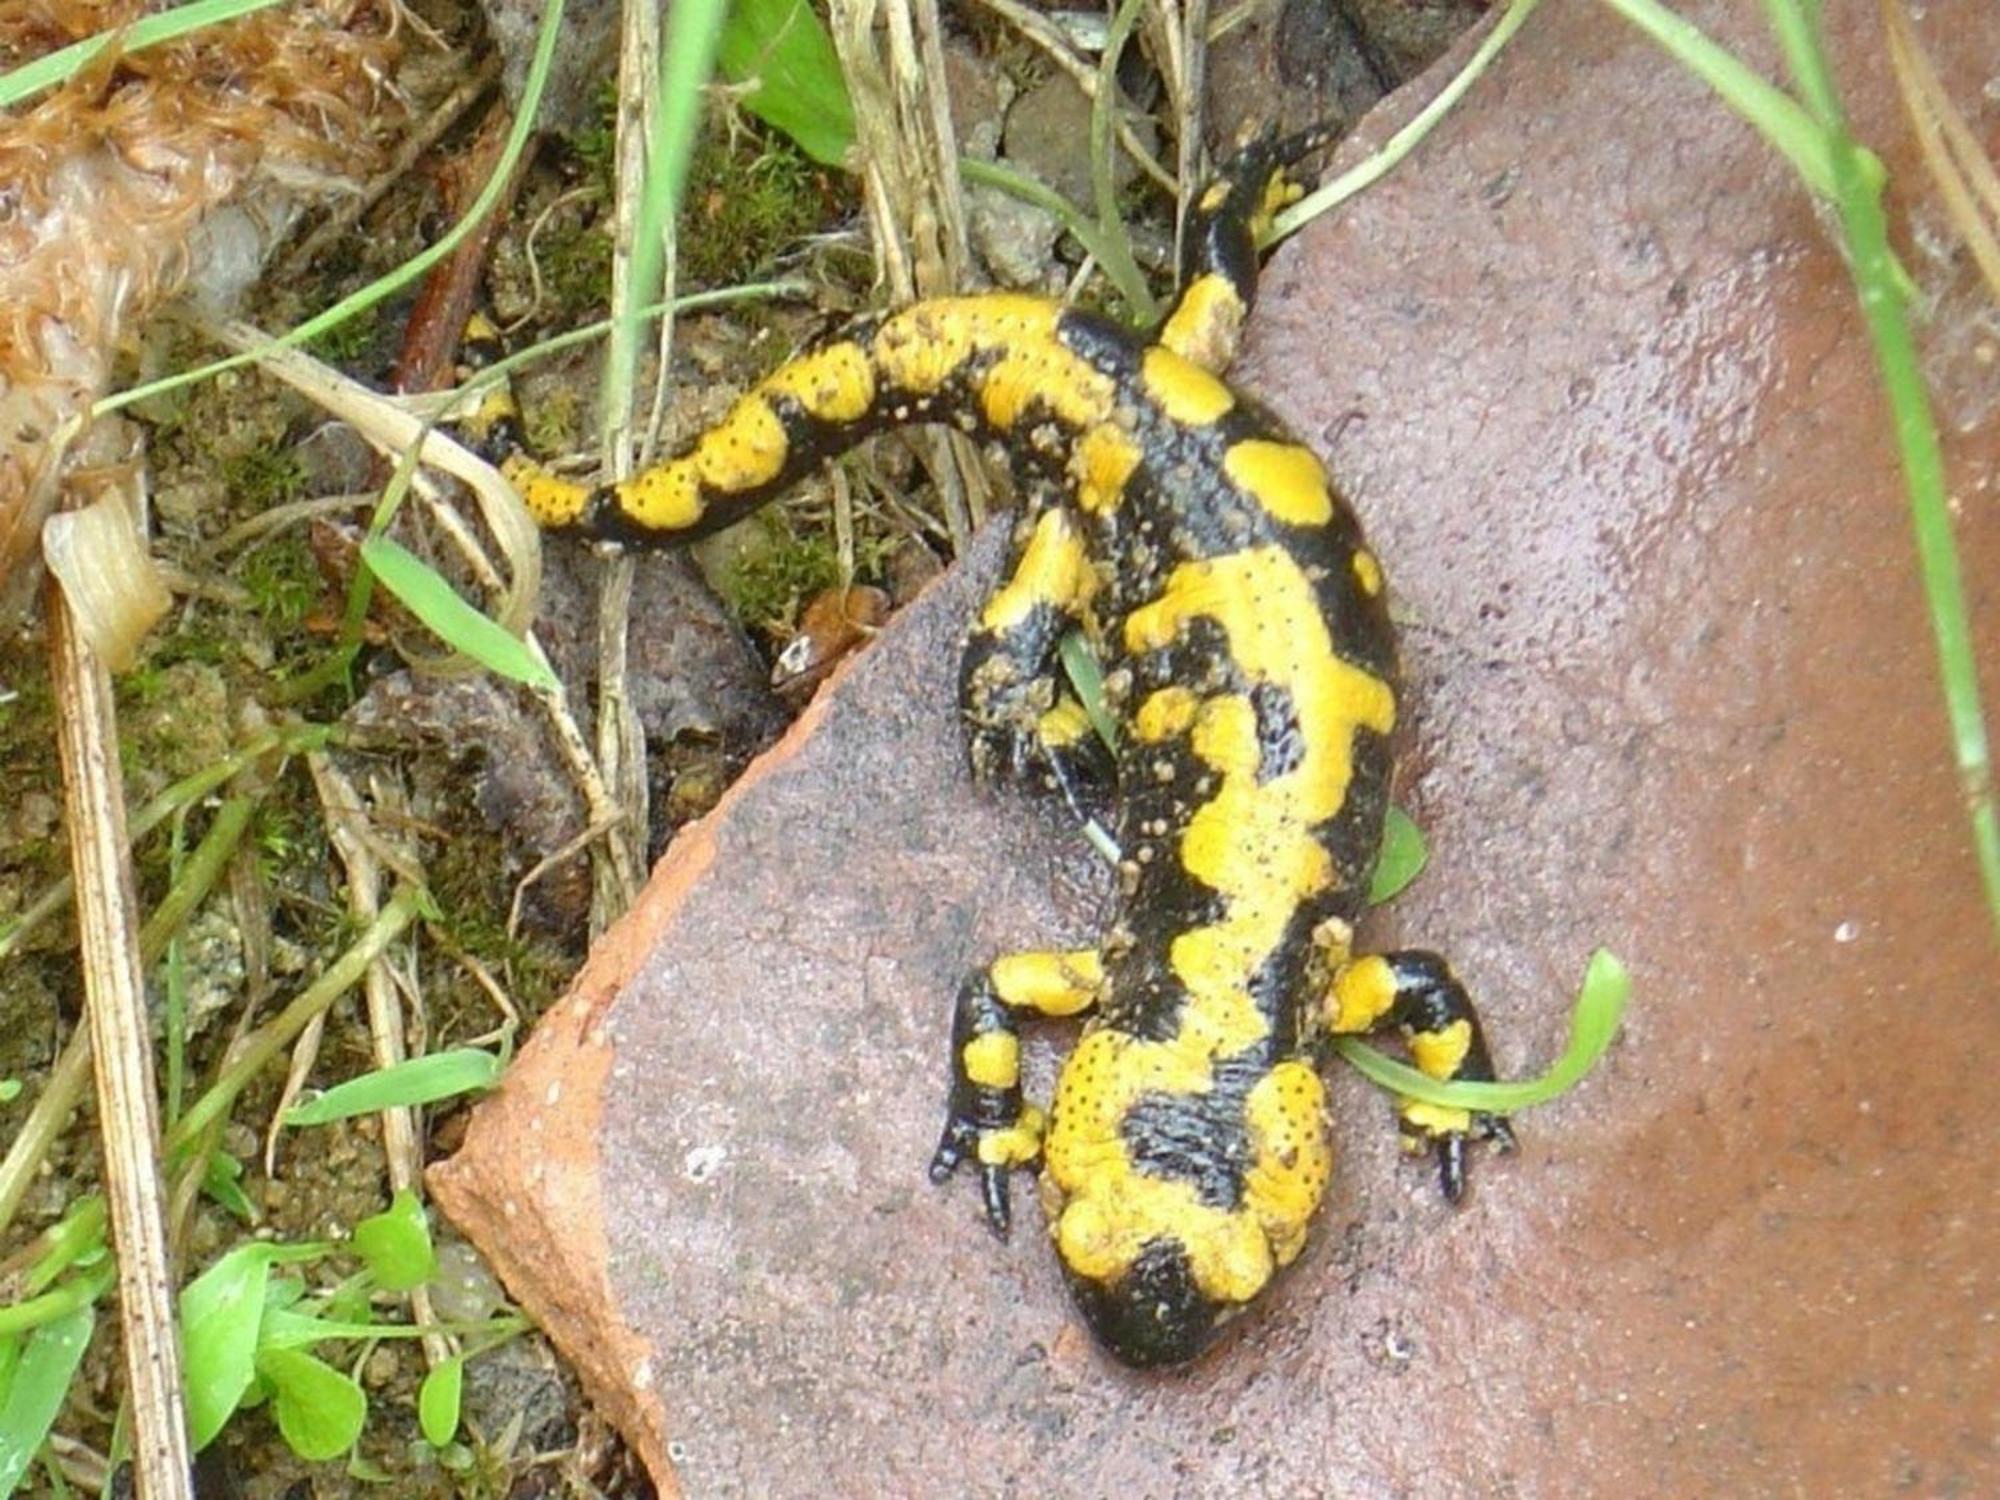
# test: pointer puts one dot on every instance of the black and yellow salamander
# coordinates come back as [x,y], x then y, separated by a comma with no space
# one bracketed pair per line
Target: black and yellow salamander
[1251,668]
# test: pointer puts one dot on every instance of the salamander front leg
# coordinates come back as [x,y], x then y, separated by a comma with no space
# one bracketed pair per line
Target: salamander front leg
[1416,992]
[986,1120]
[1020,720]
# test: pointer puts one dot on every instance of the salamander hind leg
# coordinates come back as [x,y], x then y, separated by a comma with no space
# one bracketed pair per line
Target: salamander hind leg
[1416,993]
[987,1121]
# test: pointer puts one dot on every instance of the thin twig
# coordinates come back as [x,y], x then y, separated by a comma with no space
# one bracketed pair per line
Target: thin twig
[346,818]
[1045,34]
[306,254]
[256,1050]
[1964,177]
[128,1107]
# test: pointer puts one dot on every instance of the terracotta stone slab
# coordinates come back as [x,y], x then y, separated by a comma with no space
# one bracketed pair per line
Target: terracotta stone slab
[1594,376]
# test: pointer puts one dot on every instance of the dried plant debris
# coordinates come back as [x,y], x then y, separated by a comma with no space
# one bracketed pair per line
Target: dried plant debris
[115,185]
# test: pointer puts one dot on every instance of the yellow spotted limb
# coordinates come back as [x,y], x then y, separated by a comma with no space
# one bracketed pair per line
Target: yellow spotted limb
[1416,994]
[987,1123]
[1020,721]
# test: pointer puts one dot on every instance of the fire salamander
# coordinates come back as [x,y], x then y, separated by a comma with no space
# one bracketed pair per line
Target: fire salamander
[1251,668]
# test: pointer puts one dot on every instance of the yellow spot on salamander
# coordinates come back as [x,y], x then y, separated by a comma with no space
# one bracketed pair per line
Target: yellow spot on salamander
[1290,1159]
[1064,725]
[1285,479]
[744,450]
[1367,572]
[922,347]
[1017,1145]
[1437,1054]
[1255,841]
[1433,1120]
[1105,459]
[834,384]
[1054,569]
[1105,1211]
[1051,984]
[1206,322]
[549,498]
[496,404]
[1363,992]
[993,1061]
[1183,390]
[1225,735]
[1279,192]
[667,497]
[1165,713]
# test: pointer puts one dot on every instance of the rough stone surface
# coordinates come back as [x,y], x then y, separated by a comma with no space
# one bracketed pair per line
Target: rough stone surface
[1593,373]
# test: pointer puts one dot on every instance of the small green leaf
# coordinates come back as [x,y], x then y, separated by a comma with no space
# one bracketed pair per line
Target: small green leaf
[1600,1005]
[320,1411]
[33,1394]
[221,1312]
[1080,665]
[222,1180]
[396,1244]
[438,1401]
[1400,860]
[10,1090]
[784,48]
[458,624]
[421,1080]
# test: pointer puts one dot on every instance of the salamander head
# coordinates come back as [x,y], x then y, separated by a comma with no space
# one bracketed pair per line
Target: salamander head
[1154,1313]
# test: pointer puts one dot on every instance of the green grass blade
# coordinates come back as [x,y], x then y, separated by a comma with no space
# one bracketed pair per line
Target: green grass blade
[34,1390]
[149,31]
[784,47]
[52,1306]
[1857,193]
[421,1080]
[1079,664]
[687,58]
[458,624]
[1600,1006]
[1406,140]
[1778,116]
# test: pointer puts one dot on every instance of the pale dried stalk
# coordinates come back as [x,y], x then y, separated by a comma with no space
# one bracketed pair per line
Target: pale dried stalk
[909,171]
[620,857]
[128,1107]
[348,827]
[1187,93]
[392,426]
[52,1108]
[1964,177]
